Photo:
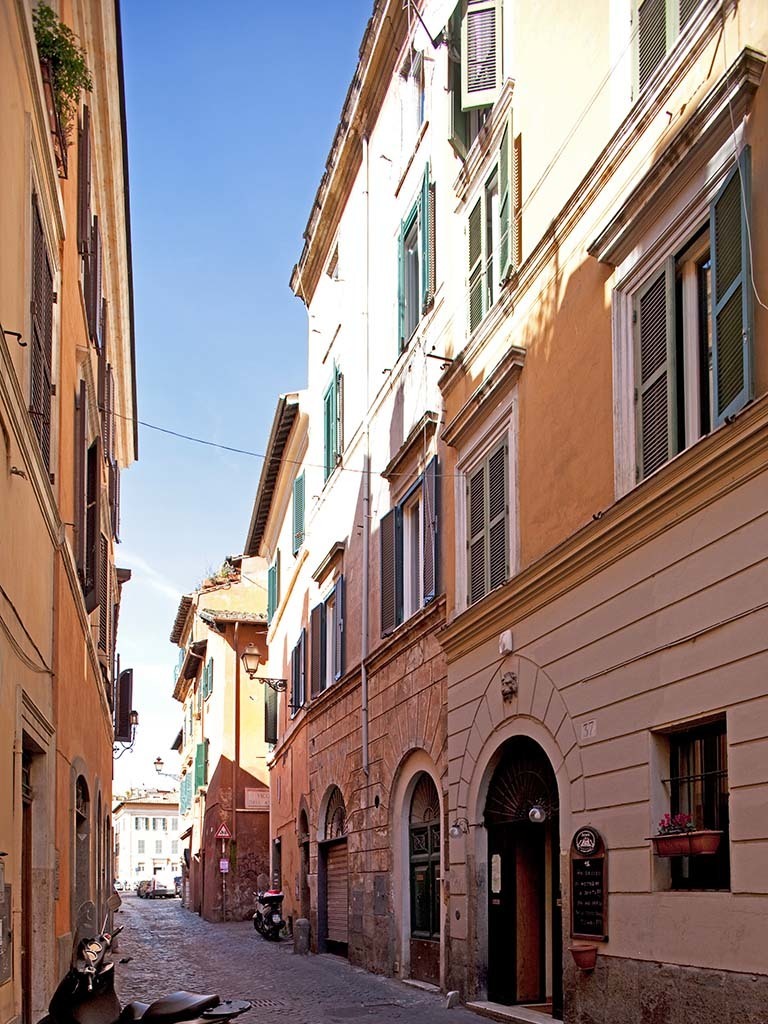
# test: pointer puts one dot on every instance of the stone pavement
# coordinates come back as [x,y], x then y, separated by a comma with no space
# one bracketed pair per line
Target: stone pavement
[171,948]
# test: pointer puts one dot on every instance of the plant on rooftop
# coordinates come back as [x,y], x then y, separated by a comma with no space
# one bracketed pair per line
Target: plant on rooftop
[60,47]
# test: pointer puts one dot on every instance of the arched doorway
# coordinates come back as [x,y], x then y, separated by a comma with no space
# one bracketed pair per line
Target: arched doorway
[303,837]
[524,912]
[424,880]
[333,871]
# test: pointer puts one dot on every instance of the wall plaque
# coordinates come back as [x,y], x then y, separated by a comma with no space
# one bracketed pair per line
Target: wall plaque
[589,885]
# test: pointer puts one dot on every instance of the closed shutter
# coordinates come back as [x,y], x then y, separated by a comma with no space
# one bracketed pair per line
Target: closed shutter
[687,7]
[651,38]
[498,528]
[317,644]
[481,53]
[506,248]
[430,514]
[655,371]
[123,705]
[42,337]
[391,572]
[476,521]
[475,264]
[732,292]
[84,184]
[338,629]
[298,513]
[270,715]
[337,877]
[81,466]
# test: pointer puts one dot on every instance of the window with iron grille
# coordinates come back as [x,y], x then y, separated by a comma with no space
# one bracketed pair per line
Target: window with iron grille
[698,786]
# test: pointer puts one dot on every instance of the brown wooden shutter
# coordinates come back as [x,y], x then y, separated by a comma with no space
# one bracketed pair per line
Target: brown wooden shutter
[123,705]
[114,498]
[337,890]
[429,513]
[103,589]
[108,415]
[317,642]
[93,299]
[84,185]
[303,667]
[81,490]
[655,377]
[93,488]
[338,629]
[42,337]
[270,715]
[389,574]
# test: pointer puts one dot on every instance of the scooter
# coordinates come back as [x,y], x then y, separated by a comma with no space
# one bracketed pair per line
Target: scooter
[268,919]
[86,994]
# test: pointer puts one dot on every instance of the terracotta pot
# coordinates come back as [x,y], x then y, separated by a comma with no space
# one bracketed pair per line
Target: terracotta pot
[686,844]
[584,955]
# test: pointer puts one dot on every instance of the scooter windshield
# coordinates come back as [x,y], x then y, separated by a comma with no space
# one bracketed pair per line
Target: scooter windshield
[86,927]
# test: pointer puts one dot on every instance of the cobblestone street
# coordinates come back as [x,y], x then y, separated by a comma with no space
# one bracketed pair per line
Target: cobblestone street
[171,948]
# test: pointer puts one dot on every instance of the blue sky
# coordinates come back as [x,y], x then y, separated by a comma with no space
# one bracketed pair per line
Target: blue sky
[231,108]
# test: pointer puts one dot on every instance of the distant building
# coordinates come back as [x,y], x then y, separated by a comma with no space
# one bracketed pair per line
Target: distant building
[146,836]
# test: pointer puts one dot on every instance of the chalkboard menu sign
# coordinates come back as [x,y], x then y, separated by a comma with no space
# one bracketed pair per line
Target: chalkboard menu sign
[589,889]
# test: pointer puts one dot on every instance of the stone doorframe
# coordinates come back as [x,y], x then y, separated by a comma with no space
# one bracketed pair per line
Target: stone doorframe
[406,779]
[496,721]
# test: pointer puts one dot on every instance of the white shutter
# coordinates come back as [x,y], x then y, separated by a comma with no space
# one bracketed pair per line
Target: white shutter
[481,57]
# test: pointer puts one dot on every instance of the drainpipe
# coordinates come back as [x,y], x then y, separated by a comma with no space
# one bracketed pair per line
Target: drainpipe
[366,475]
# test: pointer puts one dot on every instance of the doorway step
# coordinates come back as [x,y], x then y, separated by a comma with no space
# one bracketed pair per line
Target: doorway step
[510,1014]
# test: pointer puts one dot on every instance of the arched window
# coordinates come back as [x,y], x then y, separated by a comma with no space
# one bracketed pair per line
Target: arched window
[335,816]
[82,858]
[424,856]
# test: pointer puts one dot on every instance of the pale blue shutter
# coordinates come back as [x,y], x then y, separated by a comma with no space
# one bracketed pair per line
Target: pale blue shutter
[298,513]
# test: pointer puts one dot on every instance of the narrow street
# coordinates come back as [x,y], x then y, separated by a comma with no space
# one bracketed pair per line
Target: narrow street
[171,948]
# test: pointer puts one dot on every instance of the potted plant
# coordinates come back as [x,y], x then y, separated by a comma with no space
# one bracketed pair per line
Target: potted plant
[584,955]
[678,837]
[65,73]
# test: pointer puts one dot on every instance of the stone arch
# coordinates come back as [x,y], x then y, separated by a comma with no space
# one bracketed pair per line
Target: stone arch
[303,841]
[410,769]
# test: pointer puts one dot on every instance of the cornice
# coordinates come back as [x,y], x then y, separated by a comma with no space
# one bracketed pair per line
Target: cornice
[487,142]
[426,621]
[413,446]
[499,381]
[692,481]
[334,555]
[708,126]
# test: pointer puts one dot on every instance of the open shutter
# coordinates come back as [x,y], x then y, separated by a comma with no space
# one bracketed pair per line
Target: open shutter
[298,513]
[42,337]
[200,758]
[476,523]
[426,253]
[270,715]
[92,484]
[123,705]
[339,439]
[338,629]
[401,289]
[391,587]
[271,591]
[114,498]
[475,264]
[481,52]
[731,292]
[84,185]
[498,518]
[93,296]
[329,427]
[209,680]
[317,644]
[430,514]
[506,248]
[103,589]
[81,465]
[303,667]
[651,39]
[459,137]
[655,394]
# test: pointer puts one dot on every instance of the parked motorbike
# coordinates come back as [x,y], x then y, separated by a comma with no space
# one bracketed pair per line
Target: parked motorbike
[268,919]
[86,994]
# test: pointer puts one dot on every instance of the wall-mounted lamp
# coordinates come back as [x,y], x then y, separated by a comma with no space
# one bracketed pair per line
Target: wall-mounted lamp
[251,659]
[159,765]
[537,814]
[123,746]
[459,828]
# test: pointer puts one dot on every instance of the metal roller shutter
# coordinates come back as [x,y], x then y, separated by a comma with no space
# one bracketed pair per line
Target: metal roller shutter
[338,893]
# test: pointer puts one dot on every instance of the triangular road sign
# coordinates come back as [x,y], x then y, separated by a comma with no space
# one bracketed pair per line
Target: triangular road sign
[223,832]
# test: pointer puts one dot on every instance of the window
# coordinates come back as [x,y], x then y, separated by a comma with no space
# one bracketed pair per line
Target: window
[158,846]
[424,857]
[333,421]
[174,847]
[659,23]
[273,587]
[488,524]
[298,513]
[490,247]
[412,98]
[174,824]
[141,847]
[201,764]
[327,639]
[409,555]
[141,824]
[41,354]
[474,68]
[692,322]
[698,786]
[298,674]
[206,683]
[416,262]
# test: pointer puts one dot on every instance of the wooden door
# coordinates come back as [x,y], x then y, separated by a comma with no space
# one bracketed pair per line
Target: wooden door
[337,893]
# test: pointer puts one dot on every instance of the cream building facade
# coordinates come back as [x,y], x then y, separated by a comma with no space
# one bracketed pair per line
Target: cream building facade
[146,837]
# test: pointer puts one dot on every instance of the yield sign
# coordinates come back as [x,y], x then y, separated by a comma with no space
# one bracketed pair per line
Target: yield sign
[223,832]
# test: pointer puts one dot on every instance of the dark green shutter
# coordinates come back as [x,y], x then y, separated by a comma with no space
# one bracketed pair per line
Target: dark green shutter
[655,389]
[430,515]
[401,289]
[426,298]
[209,678]
[317,646]
[506,249]
[731,293]
[475,264]
[476,529]
[270,715]
[338,629]
[329,426]
[498,508]
[459,137]
[200,755]
[270,593]
[298,513]
[391,571]
[651,39]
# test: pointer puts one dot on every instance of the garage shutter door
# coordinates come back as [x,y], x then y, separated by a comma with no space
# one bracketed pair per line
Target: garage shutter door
[338,894]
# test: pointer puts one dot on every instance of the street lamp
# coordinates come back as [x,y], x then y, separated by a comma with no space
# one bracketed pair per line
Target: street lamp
[251,659]
[123,747]
[159,765]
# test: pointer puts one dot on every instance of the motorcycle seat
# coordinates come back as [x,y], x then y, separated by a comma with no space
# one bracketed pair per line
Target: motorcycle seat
[178,1006]
[133,1012]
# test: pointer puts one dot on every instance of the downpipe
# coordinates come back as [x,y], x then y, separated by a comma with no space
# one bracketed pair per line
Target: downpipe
[366,472]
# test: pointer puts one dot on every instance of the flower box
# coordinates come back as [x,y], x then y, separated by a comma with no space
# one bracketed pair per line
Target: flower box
[584,955]
[686,844]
